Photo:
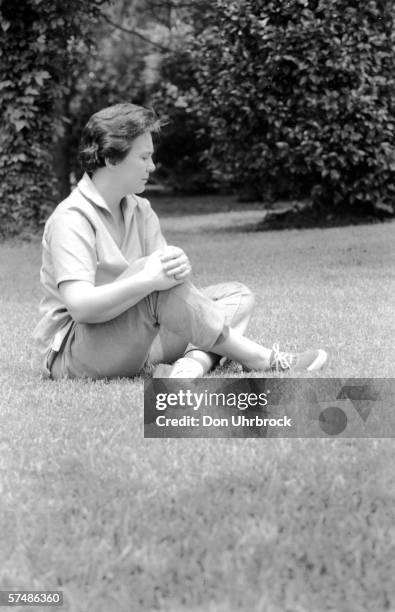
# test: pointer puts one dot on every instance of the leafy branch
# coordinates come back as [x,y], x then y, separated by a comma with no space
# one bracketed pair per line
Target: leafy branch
[138,34]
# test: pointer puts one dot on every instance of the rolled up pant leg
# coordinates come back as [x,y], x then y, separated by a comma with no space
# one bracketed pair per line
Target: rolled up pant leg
[120,347]
[234,300]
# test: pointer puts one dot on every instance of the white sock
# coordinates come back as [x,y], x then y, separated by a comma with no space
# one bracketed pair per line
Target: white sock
[186,367]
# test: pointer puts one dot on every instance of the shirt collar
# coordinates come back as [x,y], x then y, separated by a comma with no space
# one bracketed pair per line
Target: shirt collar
[87,187]
[89,190]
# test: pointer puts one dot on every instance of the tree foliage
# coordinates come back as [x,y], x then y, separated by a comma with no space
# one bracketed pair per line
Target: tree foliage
[273,98]
[184,138]
[43,43]
[134,37]
[142,58]
[298,99]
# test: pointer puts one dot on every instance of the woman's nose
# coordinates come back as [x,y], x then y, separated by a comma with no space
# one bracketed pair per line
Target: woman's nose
[151,166]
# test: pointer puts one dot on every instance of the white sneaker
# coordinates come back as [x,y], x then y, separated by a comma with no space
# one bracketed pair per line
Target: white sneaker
[311,361]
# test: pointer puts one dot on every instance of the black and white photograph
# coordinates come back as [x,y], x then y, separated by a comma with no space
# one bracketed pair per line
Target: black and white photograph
[197,205]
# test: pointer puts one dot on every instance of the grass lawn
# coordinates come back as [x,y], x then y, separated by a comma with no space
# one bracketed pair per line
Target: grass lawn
[123,524]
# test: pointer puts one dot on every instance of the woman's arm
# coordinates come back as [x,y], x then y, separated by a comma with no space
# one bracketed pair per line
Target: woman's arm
[89,304]
[133,268]
[174,262]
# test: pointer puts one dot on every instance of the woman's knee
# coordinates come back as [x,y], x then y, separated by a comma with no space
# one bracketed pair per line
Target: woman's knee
[189,313]
[246,296]
[187,291]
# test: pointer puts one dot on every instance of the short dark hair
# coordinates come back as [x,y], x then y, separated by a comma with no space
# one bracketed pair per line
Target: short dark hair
[109,134]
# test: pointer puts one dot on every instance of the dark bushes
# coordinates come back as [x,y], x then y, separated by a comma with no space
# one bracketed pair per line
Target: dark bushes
[42,44]
[297,97]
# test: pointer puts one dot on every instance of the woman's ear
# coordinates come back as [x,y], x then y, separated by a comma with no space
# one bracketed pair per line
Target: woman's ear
[108,163]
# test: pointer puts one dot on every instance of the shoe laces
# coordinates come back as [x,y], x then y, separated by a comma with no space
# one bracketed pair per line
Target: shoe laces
[280,360]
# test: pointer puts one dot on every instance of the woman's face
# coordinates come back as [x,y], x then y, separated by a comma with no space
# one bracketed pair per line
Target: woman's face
[133,171]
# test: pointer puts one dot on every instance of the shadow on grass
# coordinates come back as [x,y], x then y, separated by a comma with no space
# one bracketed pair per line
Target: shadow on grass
[286,222]
[251,222]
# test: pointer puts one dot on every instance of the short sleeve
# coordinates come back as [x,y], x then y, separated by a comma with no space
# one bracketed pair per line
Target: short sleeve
[72,245]
[154,237]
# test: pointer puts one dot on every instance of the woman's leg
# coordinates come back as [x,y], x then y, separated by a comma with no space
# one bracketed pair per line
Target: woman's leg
[203,317]
[236,302]
[120,347]
[105,350]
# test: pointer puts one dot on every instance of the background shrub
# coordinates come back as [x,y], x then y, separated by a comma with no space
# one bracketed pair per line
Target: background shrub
[179,152]
[298,100]
[273,98]
[43,44]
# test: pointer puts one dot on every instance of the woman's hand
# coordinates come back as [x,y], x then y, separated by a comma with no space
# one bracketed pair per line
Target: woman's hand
[175,263]
[156,273]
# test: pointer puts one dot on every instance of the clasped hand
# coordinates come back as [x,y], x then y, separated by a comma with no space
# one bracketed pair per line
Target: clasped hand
[168,267]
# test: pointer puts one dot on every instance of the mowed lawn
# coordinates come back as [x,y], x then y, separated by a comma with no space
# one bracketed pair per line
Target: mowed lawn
[120,523]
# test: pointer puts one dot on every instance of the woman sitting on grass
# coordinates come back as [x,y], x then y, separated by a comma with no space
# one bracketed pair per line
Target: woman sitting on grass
[116,296]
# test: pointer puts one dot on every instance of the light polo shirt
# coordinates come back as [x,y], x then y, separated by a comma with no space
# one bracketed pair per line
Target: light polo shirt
[79,244]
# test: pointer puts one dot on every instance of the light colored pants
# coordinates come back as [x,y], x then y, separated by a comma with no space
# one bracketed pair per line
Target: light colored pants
[158,329]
